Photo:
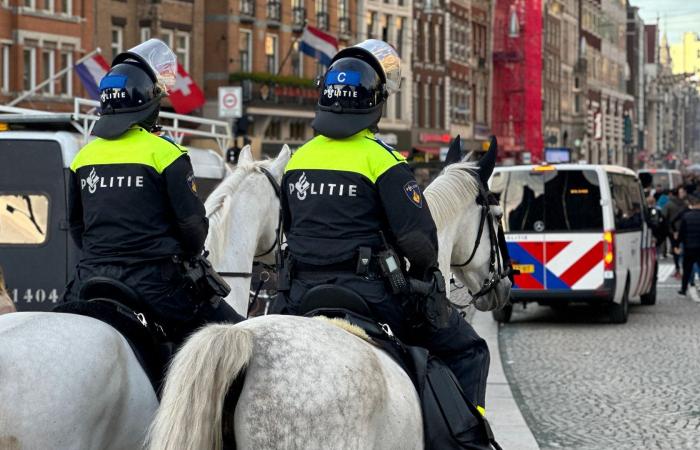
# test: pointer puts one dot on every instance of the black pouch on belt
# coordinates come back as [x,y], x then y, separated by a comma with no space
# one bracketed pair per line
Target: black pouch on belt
[201,278]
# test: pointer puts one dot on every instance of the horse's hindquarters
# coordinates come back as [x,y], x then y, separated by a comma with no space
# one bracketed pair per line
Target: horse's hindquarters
[312,385]
[70,382]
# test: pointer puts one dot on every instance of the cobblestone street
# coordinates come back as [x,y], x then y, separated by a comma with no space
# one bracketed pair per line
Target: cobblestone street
[583,383]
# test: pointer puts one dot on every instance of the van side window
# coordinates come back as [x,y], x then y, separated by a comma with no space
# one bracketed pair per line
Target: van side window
[23,218]
[626,202]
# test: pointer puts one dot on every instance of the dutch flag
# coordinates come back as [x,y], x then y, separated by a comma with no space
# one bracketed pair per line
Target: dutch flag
[91,71]
[319,45]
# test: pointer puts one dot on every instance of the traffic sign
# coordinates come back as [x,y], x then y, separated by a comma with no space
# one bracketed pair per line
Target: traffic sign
[230,101]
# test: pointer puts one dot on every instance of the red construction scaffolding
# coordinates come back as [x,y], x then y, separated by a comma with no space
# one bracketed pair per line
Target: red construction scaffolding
[517,79]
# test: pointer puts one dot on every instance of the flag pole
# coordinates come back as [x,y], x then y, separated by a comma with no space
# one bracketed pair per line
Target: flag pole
[289,53]
[55,76]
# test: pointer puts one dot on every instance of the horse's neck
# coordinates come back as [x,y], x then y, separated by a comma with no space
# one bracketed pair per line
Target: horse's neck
[237,256]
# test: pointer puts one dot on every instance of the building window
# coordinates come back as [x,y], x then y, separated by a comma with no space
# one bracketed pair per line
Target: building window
[49,5]
[145,33]
[297,131]
[117,40]
[5,68]
[384,27]
[426,105]
[298,13]
[245,50]
[438,106]
[371,20]
[343,17]
[399,35]
[416,112]
[30,4]
[399,101]
[167,36]
[297,61]
[66,7]
[271,53]
[274,10]
[274,130]
[322,14]
[29,74]
[67,79]
[182,49]
[48,70]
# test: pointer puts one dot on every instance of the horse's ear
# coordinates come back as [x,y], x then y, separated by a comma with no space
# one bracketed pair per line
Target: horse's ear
[488,162]
[246,155]
[278,165]
[454,153]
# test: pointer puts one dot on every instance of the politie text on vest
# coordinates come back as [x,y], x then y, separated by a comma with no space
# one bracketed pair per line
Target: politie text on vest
[304,188]
[93,181]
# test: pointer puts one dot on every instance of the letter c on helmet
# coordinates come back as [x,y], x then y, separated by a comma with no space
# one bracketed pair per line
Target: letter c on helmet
[341,74]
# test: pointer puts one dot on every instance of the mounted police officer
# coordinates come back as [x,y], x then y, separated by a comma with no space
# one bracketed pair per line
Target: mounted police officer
[133,202]
[345,191]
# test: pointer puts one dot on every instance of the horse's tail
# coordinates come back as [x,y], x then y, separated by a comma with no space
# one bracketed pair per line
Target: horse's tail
[199,377]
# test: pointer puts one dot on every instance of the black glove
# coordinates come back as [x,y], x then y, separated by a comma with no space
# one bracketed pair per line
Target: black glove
[428,302]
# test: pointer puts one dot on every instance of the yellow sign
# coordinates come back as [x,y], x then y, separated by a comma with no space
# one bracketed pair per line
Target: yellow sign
[4,126]
[524,268]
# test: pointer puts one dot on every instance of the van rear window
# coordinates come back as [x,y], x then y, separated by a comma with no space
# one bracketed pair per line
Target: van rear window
[556,201]
[23,218]
[572,201]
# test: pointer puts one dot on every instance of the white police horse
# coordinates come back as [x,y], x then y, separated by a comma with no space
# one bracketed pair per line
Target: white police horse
[72,382]
[309,384]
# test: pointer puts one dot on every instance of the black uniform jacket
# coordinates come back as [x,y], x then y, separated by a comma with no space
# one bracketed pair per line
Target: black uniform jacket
[134,198]
[339,194]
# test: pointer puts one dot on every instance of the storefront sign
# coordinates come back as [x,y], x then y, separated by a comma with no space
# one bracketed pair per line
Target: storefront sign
[433,137]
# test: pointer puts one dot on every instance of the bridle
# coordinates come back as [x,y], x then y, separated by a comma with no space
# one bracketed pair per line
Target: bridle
[499,260]
[276,186]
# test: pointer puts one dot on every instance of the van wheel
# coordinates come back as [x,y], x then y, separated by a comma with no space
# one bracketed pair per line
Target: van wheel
[649,298]
[619,313]
[503,315]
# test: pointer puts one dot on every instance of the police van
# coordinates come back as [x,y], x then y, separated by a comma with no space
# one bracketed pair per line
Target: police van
[663,179]
[577,233]
[36,150]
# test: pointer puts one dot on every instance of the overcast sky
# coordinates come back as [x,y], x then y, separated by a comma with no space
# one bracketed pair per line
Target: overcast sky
[675,16]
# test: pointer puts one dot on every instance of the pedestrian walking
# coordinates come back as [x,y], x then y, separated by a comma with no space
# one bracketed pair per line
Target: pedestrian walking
[672,212]
[689,237]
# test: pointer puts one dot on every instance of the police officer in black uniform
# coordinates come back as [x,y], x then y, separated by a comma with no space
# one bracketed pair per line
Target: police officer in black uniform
[344,187]
[133,201]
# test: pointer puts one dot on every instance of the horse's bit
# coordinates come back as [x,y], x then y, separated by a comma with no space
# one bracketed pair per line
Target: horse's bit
[499,260]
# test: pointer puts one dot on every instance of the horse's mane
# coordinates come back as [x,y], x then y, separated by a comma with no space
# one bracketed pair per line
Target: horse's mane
[214,205]
[450,188]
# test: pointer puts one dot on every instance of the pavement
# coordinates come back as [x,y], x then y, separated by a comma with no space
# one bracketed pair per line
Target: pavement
[581,382]
[509,426]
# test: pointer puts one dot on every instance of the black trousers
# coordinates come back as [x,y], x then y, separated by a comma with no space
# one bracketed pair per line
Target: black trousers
[458,345]
[160,286]
[690,257]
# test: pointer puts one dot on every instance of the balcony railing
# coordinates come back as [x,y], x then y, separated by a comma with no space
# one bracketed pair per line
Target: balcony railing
[248,8]
[344,26]
[298,16]
[274,10]
[322,20]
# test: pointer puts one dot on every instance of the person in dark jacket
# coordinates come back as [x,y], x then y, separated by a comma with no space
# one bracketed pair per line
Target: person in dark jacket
[344,188]
[672,212]
[133,201]
[689,237]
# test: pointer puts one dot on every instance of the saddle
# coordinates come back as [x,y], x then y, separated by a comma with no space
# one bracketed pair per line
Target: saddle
[116,304]
[450,420]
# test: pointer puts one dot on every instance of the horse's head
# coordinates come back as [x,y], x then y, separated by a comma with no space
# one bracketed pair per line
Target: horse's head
[468,218]
[243,214]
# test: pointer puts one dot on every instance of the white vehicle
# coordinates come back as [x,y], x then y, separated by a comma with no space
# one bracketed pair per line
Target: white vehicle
[36,252]
[664,179]
[577,233]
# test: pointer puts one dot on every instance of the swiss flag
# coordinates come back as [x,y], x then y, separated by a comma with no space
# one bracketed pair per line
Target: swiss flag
[185,96]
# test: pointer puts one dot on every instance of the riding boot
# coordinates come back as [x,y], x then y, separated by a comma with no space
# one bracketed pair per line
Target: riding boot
[465,353]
